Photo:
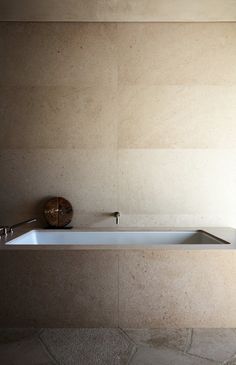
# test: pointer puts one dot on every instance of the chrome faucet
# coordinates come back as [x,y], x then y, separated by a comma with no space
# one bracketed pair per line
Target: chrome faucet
[6,229]
[3,231]
[117,217]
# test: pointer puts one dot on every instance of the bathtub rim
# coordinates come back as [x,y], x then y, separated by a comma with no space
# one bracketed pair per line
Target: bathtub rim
[215,232]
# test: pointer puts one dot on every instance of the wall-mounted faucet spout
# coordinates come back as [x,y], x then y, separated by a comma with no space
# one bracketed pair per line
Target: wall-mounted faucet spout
[117,217]
[22,224]
[6,229]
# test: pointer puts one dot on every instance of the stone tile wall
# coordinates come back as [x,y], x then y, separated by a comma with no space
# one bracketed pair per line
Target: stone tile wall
[135,117]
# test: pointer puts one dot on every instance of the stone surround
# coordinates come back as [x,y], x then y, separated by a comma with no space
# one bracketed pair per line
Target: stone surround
[136,288]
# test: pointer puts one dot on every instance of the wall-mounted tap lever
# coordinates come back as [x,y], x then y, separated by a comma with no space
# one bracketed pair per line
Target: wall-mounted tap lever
[117,217]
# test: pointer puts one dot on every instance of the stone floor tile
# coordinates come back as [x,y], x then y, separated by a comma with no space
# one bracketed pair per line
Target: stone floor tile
[173,338]
[25,352]
[16,334]
[215,344]
[165,356]
[98,346]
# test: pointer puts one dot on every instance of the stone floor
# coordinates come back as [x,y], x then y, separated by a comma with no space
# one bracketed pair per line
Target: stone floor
[102,346]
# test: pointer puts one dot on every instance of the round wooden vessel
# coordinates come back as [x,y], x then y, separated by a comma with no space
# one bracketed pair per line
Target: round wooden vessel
[58,212]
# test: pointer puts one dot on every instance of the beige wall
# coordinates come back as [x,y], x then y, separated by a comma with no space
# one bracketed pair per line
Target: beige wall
[118,10]
[136,117]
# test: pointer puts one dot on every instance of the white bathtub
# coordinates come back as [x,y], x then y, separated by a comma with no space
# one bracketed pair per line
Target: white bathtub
[115,238]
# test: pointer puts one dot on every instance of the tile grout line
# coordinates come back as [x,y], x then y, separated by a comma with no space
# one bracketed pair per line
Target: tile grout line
[46,349]
[132,342]
[202,358]
[128,337]
[40,331]
[131,357]
[189,341]
[188,347]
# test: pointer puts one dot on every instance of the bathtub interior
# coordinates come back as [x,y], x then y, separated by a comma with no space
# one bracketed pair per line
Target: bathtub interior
[63,237]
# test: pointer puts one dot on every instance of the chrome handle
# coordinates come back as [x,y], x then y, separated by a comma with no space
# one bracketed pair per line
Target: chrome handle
[117,217]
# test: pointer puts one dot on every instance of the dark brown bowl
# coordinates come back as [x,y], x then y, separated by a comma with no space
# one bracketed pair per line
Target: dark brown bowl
[58,212]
